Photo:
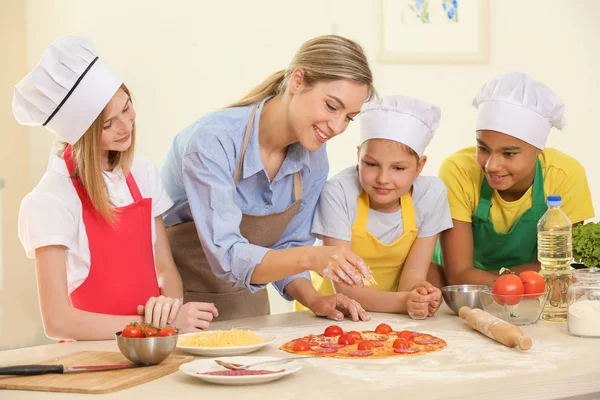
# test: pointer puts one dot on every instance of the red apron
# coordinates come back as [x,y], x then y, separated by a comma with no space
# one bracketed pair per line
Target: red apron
[122,273]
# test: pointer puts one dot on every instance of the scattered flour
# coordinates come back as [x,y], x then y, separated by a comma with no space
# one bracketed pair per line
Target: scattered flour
[468,356]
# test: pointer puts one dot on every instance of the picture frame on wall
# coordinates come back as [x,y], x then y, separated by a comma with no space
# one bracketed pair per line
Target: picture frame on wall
[432,31]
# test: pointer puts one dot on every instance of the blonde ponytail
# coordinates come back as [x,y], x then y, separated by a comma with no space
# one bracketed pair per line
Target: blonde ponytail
[324,58]
[269,87]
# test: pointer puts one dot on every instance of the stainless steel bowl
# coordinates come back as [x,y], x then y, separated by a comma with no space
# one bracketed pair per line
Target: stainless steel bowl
[146,351]
[457,296]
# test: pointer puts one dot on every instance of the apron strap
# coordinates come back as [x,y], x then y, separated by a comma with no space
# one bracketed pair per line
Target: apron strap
[86,202]
[485,200]
[362,211]
[538,196]
[240,162]
[297,186]
[409,218]
[133,187]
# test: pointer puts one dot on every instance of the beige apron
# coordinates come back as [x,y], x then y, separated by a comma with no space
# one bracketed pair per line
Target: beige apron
[200,282]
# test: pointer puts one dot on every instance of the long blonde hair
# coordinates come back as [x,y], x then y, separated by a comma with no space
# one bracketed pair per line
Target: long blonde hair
[324,58]
[87,158]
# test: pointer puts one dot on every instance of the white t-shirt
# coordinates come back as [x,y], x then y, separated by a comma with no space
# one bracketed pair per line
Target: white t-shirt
[52,215]
[336,210]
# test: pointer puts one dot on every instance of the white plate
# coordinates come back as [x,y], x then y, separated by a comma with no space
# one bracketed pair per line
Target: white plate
[198,367]
[224,351]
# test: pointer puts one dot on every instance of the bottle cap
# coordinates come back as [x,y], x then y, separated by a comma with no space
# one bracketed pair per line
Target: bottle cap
[554,200]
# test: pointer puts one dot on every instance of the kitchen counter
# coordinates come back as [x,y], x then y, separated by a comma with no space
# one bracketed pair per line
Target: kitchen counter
[471,366]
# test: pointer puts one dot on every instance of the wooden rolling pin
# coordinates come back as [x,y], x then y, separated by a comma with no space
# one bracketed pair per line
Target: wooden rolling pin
[494,328]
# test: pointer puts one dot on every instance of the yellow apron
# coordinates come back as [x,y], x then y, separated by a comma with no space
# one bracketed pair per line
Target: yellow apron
[385,260]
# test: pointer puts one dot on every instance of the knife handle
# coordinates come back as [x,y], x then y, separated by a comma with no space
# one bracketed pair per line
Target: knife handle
[27,370]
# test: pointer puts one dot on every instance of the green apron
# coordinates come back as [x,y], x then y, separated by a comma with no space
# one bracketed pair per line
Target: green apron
[493,250]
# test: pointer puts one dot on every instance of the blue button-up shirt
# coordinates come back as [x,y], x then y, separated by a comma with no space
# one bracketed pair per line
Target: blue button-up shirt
[198,176]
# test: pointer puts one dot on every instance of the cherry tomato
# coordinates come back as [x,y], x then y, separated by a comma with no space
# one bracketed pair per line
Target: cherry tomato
[383,329]
[510,287]
[401,343]
[366,345]
[333,330]
[532,283]
[167,331]
[356,336]
[132,331]
[301,345]
[150,332]
[345,339]
[408,335]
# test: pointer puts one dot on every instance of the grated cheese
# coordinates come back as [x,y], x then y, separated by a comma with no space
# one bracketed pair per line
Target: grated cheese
[230,338]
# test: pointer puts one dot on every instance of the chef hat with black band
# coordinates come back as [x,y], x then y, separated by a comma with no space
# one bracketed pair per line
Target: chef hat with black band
[67,90]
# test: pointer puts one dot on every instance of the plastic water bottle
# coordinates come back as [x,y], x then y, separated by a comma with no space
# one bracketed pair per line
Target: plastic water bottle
[555,253]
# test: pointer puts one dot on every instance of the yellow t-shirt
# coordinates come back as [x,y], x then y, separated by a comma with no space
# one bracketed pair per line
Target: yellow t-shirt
[563,175]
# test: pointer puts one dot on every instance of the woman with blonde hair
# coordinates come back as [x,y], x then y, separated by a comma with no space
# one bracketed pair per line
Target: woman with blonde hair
[93,223]
[245,181]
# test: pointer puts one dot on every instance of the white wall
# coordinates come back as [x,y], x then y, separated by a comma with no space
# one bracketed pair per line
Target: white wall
[20,323]
[184,58]
[196,56]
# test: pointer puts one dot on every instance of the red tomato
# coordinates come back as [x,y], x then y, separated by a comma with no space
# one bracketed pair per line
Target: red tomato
[301,345]
[132,331]
[401,343]
[355,335]
[167,332]
[366,345]
[532,283]
[150,332]
[408,335]
[510,287]
[333,330]
[345,339]
[383,329]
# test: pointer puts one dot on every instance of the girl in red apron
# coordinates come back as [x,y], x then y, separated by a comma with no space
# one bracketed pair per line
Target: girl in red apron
[497,190]
[93,223]
[246,180]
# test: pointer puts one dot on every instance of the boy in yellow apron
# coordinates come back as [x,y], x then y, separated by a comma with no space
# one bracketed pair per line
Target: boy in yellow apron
[385,211]
[497,190]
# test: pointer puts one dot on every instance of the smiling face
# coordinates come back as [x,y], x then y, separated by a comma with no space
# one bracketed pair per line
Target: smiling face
[508,163]
[323,110]
[117,130]
[386,172]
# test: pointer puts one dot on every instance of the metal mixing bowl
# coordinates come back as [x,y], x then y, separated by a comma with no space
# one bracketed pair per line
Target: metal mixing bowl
[146,351]
[457,296]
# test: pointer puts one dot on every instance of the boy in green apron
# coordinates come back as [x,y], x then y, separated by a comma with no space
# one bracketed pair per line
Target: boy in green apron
[497,190]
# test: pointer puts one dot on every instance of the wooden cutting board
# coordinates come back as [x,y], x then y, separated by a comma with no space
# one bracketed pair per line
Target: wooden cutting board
[96,381]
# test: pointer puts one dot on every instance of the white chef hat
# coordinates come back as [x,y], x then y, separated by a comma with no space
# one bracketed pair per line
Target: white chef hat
[402,119]
[519,106]
[67,90]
